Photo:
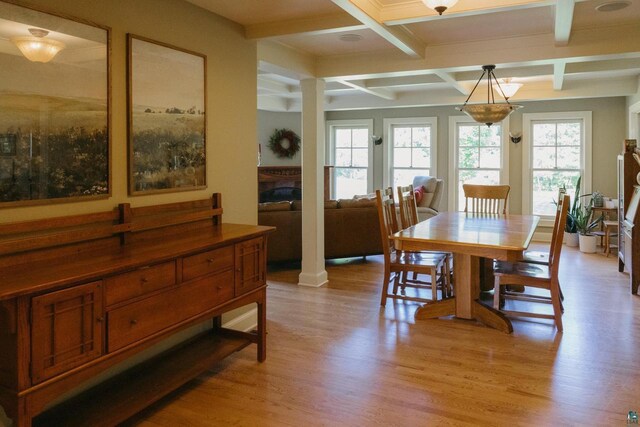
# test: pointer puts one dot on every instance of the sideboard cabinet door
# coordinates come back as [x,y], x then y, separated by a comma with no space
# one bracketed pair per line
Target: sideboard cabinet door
[66,330]
[250,265]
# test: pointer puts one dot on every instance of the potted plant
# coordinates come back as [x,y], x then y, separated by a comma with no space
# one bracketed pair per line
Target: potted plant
[584,225]
[570,229]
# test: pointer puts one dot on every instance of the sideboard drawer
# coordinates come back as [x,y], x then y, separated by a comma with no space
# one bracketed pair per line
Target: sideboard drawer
[139,282]
[207,262]
[137,320]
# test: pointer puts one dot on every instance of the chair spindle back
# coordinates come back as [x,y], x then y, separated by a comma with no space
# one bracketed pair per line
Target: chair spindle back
[490,199]
[387,219]
[408,207]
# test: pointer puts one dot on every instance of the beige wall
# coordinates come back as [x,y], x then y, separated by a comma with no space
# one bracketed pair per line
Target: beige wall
[231,100]
[633,116]
[268,121]
[609,130]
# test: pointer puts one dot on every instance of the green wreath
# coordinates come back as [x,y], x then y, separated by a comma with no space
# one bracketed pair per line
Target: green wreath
[284,143]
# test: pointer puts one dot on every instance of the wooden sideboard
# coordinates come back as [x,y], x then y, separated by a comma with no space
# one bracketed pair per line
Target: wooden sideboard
[81,294]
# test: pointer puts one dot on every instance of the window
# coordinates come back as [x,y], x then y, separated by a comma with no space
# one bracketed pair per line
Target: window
[351,155]
[411,144]
[557,150]
[479,154]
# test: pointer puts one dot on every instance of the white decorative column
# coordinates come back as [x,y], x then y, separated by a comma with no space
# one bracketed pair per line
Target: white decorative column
[313,146]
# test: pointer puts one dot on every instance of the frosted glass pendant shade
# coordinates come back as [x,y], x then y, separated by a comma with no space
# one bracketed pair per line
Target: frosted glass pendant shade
[439,5]
[37,48]
[509,88]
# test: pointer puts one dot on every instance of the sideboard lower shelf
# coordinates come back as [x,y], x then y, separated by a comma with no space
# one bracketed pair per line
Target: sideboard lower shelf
[121,397]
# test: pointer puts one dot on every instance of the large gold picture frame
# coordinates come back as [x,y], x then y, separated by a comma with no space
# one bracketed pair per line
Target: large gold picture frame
[55,110]
[166,117]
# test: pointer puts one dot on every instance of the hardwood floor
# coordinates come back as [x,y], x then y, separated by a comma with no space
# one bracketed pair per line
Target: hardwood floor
[336,358]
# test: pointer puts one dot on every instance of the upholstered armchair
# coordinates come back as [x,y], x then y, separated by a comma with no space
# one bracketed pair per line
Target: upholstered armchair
[429,203]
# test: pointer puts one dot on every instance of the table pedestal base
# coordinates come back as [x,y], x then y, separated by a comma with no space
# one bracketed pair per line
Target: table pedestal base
[447,307]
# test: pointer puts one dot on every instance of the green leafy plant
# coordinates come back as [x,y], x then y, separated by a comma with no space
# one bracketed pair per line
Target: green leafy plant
[570,226]
[583,222]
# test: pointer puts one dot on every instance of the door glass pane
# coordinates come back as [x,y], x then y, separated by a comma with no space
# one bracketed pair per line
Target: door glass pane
[544,134]
[350,181]
[401,137]
[405,176]
[545,189]
[360,157]
[468,158]
[343,157]
[544,157]
[569,157]
[421,158]
[490,158]
[360,138]
[402,157]
[468,135]
[343,137]
[569,133]
[421,137]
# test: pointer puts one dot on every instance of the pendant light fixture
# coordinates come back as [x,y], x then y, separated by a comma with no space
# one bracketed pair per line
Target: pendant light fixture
[38,48]
[439,5]
[490,112]
[509,88]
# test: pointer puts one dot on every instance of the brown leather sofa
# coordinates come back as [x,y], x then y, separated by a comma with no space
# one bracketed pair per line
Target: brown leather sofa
[351,226]
[351,229]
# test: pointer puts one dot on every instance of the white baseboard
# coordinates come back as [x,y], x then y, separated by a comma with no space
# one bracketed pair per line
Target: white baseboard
[245,322]
[313,280]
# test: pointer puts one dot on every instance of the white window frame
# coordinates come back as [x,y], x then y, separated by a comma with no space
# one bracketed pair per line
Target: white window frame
[527,170]
[454,121]
[387,160]
[331,125]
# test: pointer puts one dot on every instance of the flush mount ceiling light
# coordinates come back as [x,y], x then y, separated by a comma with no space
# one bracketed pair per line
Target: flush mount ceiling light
[37,48]
[439,5]
[509,88]
[612,6]
[350,38]
[490,112]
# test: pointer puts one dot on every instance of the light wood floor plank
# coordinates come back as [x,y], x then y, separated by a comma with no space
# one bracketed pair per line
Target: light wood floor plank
[336,358]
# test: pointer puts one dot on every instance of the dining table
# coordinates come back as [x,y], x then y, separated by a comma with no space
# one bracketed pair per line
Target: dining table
[470,237]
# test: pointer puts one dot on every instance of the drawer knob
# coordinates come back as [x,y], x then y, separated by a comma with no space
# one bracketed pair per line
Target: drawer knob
[210,260]
[144,280]
[219,288]
[100,319]
[134,321]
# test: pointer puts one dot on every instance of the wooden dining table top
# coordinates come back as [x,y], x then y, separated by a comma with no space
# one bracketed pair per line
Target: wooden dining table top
[459,229]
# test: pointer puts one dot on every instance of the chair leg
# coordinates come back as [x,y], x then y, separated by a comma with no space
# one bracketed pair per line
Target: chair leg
[401,277]
[560,292]
[434,283]
[557,305]
[446,278]
[385,285]
[496,293]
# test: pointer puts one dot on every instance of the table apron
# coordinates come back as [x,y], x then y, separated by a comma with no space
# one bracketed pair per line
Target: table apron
[479,251]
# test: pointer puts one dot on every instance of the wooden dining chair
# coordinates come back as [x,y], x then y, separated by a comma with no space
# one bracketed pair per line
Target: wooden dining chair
[486,198]
[409,217]
[534,275]
[401,264]
[542,257]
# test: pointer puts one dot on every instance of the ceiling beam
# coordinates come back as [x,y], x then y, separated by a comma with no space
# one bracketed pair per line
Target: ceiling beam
[558,75]
[272,86]
[564,21]
[273,103]
[276,58]
[397,36]
[611,43]
[361,86]
[449,78]
[317,25]
[412,11]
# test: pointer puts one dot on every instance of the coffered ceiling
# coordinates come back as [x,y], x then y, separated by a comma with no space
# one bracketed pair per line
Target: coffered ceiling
[394,53]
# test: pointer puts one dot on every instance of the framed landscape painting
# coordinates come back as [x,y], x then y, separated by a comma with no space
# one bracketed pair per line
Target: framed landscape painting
[54,108]
[167,120]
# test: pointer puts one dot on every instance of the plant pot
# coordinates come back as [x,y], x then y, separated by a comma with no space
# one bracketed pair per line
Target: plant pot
[571,239]
[588,243]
